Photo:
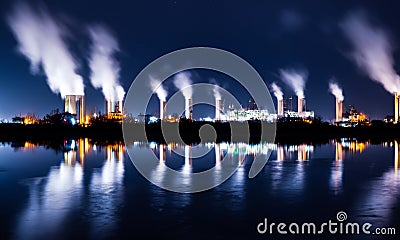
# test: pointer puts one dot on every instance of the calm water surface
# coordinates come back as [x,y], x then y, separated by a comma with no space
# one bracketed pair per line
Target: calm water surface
[80,189]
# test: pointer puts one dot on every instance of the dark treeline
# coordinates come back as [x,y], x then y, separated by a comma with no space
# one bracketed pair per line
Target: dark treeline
[286,132]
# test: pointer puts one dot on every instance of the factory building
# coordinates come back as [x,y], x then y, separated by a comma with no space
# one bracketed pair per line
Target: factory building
[114,110]
[247,115]
[353,118]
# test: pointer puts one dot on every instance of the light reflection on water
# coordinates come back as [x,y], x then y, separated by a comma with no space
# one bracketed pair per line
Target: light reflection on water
[87,185]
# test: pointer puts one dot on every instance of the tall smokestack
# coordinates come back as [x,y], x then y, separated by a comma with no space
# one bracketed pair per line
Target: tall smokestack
[183,82]
[82,115]
[301,105]
[296,79]
[187,111]
[337,91]
[339,109]
[163,105]
[157,87]
[279,96]
[218,109]
[108,106]
[396,107]
[190,109]
[280,107]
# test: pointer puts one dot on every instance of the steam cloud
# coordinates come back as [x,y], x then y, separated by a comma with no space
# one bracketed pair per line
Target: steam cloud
[103,65]
[336,90]
[372,50]
[40,40]
[217,94]
[156,87]
[295,79]
[277,91]
[183,82]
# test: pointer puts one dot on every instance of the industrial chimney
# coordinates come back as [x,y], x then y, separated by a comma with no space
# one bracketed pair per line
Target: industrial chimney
[82,115]
[339,110]
[108,107]
[163,105]
[301,105]
[188,108]
[396,107]
[191,108]
[280,107]
[218,104]
[120,107]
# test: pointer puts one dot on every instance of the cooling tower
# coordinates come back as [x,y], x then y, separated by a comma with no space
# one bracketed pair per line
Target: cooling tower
[280,107]
[301,105]
[396,107]
[339,110]
[163,105]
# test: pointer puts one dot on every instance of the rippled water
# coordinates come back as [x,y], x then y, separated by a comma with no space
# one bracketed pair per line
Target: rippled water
[83,189]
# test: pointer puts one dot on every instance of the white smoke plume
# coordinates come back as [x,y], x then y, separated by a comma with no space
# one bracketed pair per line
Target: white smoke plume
[217,94]
[295,79]
[336,90]
[372,50]
[156,87]
[40,40]
[103,65]
[183,82]
[277,91]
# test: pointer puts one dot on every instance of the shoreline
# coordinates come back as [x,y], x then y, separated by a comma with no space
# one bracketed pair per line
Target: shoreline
[296,132]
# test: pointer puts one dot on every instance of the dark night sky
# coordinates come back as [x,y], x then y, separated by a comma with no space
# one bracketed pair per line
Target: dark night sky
[270,35]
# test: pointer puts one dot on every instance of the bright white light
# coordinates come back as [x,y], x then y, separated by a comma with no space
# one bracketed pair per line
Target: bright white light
[153,119]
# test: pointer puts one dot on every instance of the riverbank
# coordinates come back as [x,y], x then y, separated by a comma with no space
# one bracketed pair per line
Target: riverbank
[189,132]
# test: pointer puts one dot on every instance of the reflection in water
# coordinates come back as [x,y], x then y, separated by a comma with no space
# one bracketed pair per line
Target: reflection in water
[337,169]
[106,191]
[341,147]
[50,201]
[280,153]
[98,193]
[396,157]
[53,198]
[382,195]
[353,146]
